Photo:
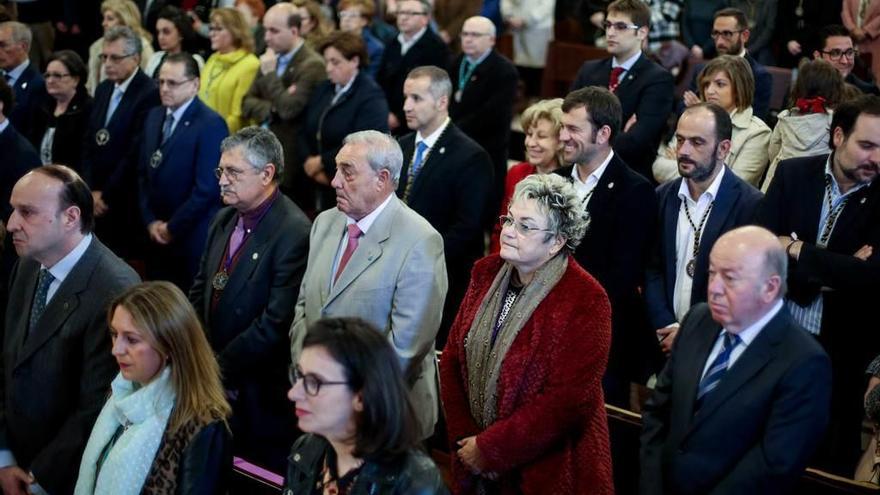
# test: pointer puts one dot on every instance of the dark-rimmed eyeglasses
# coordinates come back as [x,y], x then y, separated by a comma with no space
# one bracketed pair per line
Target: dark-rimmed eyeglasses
[520,227]
[837,54]
[113,57]
[311,383]
[724,34]
[619,26]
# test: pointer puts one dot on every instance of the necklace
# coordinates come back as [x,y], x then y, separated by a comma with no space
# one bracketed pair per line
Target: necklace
[691,266]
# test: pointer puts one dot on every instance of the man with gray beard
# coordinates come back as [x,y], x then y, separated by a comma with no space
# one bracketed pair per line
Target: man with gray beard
[707,201]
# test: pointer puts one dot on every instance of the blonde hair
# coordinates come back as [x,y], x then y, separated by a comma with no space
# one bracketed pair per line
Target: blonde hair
[549,110]
[323,26]
[233,21]
[170,325]
[742,82]
[129,15]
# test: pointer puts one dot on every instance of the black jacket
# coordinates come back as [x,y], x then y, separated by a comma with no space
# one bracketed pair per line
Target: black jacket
[70,128]
[416,474]
[206,463]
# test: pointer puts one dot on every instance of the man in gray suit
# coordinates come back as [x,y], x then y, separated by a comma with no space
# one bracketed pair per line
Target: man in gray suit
[56,358]
[374,258]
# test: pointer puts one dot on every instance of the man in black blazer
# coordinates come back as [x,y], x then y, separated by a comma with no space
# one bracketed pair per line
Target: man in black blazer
[743,400]
[834,253]
[415,46]
[16,153]
[56,360]
[835,45]
[246,297]
[644,88]
[623,216]
[111,143]
[707,201]
[448,182]
[483,89]
[20,73]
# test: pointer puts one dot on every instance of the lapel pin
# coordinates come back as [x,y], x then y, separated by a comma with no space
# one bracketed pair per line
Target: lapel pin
[255,256]
[862,201]
[66,305]
[610,185]
[442,150]
[24,85]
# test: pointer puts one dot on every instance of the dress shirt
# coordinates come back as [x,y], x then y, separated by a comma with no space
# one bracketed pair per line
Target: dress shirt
[431,139]
[747,336]
[341,90]
[364,225]
[284,60]
[15,73]
[626,65]
[177,114]
[63,267]
[406,45]
[4,125]
[684,240]
[583,188]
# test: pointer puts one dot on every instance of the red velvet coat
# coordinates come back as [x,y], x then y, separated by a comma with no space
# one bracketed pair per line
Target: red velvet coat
[551,431]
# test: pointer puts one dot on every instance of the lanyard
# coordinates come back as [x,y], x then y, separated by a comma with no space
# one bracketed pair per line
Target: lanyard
[465,71]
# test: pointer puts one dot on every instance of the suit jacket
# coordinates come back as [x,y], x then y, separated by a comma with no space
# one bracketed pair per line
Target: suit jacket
[70,128]
[615,250]
[646,92]
[755,432]
[428,50]
[395,280]
[734,206]
[867,87]
[486,107]
[763,86]
[17,156]
[56,379]
[181,188]
[29,89]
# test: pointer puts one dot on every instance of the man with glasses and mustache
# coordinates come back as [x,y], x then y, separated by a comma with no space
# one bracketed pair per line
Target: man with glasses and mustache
[835,45]
[826,211]
[707,201]
[178,192]
[111,142]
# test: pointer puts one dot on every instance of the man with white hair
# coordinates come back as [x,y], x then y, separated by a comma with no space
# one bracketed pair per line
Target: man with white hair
[22,75]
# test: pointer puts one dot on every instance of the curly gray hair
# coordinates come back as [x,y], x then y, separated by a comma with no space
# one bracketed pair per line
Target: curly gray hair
[558,200]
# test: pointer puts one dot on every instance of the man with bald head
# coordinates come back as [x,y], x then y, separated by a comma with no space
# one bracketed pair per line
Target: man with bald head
[744,398]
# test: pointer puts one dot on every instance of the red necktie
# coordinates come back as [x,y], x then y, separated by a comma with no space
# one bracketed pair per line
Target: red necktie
[353,234]
[614,80]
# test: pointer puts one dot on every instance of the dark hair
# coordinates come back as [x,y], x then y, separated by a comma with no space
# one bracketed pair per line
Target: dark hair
[74,193]
[848,112]
[73,63]
[829,31]
[7,97]
[386,428]
[818,78]
[350,45]
[602,106]
[637,10]
[183,24]
[742,22]
[723,124]
[190,66]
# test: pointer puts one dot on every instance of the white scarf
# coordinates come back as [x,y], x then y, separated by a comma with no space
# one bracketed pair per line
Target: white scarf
[144,414]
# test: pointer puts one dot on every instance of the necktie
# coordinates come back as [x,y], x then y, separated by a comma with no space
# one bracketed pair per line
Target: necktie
[114,102]
[420,154]
[44,280]
[353,234]
[8,78]
[614,80]
[166,128]
[236,238]
[718,367]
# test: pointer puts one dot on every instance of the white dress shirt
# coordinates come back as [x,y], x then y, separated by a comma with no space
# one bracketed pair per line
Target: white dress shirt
[584,188]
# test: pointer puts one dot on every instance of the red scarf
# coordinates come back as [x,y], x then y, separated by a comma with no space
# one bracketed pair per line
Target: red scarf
[811,105]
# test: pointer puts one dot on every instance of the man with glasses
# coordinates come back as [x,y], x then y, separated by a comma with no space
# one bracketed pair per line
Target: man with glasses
[644,88]
[246,289]
[835,45]
[20,74]
[416,45]
[179,149]
[111,144]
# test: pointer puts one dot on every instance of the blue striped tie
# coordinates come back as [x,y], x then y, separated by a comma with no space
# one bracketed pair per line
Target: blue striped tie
[718,368]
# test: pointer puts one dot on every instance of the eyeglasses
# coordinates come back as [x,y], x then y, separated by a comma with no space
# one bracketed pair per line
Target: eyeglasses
[232,174]
[311,383]
[54,75]
[410,13]
[347,14]
[172,84]
[725,34]
[520,227]
[113,57]
[837,54]
[619,26]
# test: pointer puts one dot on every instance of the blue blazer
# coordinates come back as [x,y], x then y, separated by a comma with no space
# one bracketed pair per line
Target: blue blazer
[735,205]
[29,88]
[181,188]
[17,156]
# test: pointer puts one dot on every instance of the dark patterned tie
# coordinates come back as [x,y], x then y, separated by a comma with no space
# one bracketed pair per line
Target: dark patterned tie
[718,367]
[43,282]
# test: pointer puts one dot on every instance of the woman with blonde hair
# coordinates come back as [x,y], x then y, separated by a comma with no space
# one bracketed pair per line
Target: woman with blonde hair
[117,13]
[163,428]
[232,68]
[315,25]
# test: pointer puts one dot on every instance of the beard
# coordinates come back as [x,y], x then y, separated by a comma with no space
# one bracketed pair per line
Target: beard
[701,170]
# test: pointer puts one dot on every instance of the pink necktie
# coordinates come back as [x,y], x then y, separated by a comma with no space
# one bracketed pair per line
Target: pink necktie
[353,234]
[614,80]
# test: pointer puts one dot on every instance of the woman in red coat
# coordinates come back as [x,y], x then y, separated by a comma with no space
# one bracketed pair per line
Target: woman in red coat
[521,372]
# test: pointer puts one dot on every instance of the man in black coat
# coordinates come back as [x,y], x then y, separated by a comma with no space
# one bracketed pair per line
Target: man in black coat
[446,178]
[415,46]
[835,45]
[20,73]
[16,153]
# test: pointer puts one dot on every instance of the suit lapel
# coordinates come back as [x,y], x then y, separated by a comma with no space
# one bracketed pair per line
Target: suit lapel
[433,162]
[859,204]
[214,255]
[724,203]
[191,114]
[605,189]
[694,362]
[670,229]
[631,75]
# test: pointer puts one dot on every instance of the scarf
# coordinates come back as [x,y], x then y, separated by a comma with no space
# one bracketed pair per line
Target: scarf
[811,105]
[143,414]
[483,359]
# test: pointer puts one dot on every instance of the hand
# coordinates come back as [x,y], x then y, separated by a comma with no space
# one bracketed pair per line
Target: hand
[858,34]
[795,251]
[597,19]
[864,252]
[313,165]
[100,206]
[629,123]
[393,123]
[872,384]
[61,27]
[697,51]
[794,47]
[321,178]
[14,481]
[159,232]
[690,98]
[666,336]
[291,89]
[444,35]
[268,62]
[470,455]
[74,29]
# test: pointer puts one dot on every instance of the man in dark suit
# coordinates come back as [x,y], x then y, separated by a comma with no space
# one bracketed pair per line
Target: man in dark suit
[835,45]
[246,290]
[730,30]
[623,217]
[16,153]
[826,212]
[446,178]
[483,94]
[110,149]
[644,88]
[415,46]
[707,201]
[289,72]
[56,358]
[178,193]
[743,400]
[20,73]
